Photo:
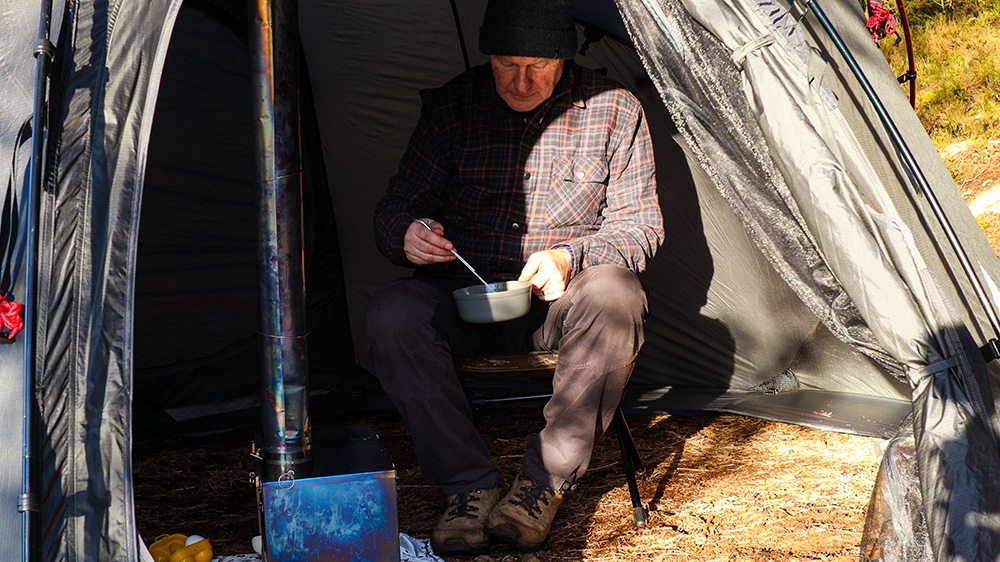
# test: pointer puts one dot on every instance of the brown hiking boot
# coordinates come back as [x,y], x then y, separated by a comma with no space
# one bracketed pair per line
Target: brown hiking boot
[524,517]
[460,529]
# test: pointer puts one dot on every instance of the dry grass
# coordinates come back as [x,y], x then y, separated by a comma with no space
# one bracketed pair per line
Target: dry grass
[957,52]
[975,164]
[720,487]
[723,488]
[956,46]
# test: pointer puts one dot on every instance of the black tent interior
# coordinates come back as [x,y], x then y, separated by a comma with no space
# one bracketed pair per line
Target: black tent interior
[802,279]
[196,357]
[188,361]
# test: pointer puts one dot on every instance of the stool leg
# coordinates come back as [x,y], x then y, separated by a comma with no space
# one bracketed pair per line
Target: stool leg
[630,462]
[637,465]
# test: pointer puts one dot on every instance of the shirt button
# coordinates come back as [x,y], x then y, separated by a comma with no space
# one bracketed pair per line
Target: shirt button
[527,175]
[579,175]
[515,225]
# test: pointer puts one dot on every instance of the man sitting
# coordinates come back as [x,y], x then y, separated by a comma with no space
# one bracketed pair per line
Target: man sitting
[536,169]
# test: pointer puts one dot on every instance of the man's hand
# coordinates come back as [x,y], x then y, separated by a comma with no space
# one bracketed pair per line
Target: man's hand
[548,273]
[423,246]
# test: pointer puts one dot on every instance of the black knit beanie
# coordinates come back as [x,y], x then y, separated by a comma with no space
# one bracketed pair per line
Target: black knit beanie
[528,28]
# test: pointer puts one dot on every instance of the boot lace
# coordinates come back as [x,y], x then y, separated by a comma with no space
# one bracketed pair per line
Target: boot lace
[531,497]
[465,505]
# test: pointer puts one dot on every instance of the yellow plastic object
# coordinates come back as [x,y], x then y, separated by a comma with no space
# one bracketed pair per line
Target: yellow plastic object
[200,551]
[164,546]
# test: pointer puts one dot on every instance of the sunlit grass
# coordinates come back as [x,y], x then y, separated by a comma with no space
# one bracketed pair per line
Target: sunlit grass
[956,45]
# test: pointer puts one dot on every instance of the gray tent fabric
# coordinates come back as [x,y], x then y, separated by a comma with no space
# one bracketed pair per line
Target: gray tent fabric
[99,127]
[727,138]
[19,22]
[896,528]
[800,265]
[862,248]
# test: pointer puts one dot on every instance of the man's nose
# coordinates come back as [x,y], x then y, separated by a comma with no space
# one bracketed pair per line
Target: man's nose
[522,82]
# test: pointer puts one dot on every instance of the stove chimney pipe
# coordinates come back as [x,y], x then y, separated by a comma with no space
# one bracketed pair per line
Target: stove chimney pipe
[274,55]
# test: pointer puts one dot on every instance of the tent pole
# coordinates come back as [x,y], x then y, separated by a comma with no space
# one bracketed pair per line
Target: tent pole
[274,46]
[922,186]
[44,51]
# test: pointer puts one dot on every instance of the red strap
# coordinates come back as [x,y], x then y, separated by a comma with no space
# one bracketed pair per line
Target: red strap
[10,317]
[881,23]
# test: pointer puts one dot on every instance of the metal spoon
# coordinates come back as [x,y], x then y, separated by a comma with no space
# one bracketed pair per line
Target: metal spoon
[489,288]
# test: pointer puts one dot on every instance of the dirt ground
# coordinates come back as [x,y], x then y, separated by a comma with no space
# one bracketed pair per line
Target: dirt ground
[976,169]
[719,487]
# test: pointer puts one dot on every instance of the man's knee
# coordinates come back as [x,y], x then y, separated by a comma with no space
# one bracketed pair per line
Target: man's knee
[395,308]
[611,286]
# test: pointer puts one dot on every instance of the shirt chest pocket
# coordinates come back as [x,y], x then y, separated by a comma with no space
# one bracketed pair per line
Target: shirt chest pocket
[576,191]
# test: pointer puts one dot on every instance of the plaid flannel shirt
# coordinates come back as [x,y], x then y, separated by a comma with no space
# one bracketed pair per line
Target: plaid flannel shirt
[576,172]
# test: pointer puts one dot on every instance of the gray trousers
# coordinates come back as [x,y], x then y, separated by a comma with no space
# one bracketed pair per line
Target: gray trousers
[414,332]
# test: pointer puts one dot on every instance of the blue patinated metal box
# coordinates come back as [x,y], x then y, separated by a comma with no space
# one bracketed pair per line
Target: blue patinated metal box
[344,511]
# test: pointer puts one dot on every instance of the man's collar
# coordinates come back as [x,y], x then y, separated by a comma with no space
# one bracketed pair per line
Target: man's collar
[568,86]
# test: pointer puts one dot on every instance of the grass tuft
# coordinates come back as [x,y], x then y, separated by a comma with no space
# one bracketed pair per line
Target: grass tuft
[956,45]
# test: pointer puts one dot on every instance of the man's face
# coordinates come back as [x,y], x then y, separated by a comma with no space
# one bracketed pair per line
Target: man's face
[525,82]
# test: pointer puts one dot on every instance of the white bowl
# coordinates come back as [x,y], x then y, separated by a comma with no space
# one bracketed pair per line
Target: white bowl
[511,299]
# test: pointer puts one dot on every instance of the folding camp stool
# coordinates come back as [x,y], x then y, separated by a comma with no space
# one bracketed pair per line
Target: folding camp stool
[538,365]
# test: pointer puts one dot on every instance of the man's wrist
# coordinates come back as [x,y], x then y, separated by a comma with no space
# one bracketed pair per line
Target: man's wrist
[572,256]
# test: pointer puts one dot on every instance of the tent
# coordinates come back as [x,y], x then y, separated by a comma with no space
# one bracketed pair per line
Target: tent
[805,277]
